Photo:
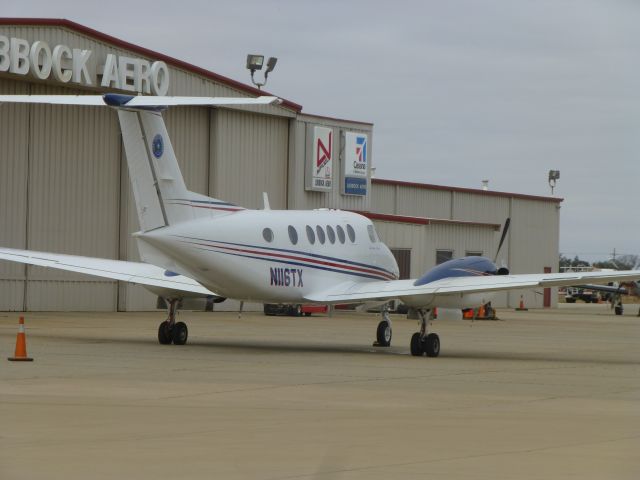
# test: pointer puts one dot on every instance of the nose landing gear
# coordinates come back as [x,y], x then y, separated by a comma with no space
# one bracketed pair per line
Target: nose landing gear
[384,331]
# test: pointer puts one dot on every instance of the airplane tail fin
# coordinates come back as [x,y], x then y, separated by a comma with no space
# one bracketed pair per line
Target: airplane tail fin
[160,193]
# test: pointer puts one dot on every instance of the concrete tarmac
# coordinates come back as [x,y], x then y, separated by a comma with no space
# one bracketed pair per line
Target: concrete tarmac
[549,394]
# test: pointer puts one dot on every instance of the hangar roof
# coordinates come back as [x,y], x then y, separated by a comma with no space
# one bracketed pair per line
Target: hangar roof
[428,186]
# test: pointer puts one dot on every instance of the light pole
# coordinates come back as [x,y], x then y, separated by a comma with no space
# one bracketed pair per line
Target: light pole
[554,176]
[255,62]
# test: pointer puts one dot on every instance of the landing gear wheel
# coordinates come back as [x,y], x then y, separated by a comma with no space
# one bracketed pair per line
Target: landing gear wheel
[383,334]
[164,333]
[432,345]
[180,333]
[618,309]
[417,345]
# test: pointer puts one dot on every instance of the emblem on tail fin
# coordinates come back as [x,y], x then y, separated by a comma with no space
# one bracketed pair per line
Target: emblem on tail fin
[157,146]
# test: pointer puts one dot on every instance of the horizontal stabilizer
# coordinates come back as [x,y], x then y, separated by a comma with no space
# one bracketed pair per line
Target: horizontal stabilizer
[130,101]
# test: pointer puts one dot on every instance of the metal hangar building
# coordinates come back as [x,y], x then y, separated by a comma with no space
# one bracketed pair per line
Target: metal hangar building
[64,184]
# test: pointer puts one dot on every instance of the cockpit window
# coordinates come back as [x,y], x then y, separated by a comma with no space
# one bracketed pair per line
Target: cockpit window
[340,231]
[372,233]
[311,236]
[320,233]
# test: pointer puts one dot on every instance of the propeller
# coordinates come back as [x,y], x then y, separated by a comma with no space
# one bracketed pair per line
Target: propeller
[505,229]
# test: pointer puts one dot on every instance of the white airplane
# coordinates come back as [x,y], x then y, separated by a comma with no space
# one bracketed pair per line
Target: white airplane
[196,245]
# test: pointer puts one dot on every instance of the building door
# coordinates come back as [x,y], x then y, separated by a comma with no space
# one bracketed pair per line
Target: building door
[547,291]
[403,257]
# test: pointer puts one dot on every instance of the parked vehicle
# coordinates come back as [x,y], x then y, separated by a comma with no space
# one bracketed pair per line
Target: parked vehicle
[296,310]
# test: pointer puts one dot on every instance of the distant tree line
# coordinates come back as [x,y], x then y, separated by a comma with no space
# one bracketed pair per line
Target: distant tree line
[622,262]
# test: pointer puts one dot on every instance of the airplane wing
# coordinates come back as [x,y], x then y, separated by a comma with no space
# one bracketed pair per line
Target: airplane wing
[133,272]
[353,292]
[119,100]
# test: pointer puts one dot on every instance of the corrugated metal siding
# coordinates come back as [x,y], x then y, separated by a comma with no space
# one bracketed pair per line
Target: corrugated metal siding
[14,135]
[534,244]
[421,202]
[249,157]
[73,189]
[383,198]
[480,208]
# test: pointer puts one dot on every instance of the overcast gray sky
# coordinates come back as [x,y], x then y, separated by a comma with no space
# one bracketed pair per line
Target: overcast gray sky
[459,90]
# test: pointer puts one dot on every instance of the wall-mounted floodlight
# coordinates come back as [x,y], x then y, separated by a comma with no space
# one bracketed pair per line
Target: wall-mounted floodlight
[554,176]
[255,62]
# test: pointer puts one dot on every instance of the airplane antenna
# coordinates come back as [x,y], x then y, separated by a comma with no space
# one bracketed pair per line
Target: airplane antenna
[505,229]
[265,199]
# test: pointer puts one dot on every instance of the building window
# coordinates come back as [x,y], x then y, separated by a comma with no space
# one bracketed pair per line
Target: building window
[267,234]
[331,234]
[310,235]
[352,234]
[473,253]
[340,231]
[443,256]
[293,234]
[320,233]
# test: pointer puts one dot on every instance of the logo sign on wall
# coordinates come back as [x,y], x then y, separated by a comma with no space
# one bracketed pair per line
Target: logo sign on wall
[320,160]
[355,164]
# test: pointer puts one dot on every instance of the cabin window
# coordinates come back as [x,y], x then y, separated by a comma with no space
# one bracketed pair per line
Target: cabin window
[293,234]
[310,235]
[267,234]
[340,231]
[372,233]
[443,256]
[352,233]
[320,233]
[331,234]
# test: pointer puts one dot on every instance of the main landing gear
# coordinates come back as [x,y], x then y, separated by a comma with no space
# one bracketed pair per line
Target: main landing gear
[384,332]
[423,342]
[171,331]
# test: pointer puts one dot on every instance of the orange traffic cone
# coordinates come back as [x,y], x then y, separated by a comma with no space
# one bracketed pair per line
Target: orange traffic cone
[21,345]
[521,307]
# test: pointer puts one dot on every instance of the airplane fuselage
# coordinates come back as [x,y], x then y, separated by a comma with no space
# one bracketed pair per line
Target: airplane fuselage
[274,255]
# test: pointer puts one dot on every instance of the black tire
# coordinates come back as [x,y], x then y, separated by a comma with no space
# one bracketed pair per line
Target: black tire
[417,346]
[268,309]
[618,309]
[432,345]
[180,333]
[307,314]
[570,300]
[384,334]
[164,333]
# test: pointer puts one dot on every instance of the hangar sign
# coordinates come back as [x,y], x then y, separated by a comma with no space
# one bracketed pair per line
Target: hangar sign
[64,64]
[355,165]
[319,171]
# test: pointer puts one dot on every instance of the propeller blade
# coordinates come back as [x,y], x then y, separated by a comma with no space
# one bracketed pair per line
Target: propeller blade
[505,229]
